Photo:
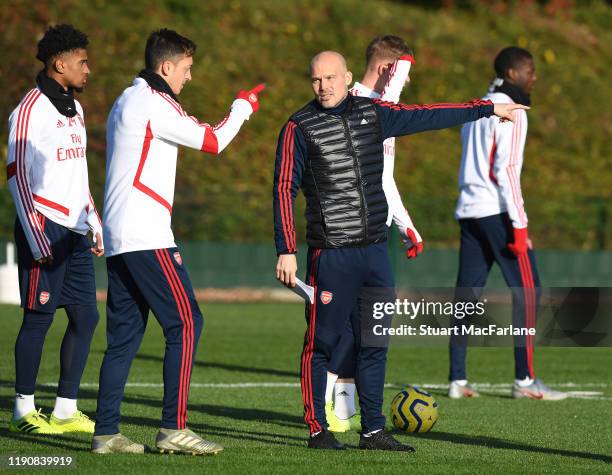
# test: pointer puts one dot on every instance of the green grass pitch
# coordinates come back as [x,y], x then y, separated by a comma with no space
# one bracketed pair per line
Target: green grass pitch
[245,396]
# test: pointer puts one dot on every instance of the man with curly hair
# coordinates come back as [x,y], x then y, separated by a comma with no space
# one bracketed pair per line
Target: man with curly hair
[47,177]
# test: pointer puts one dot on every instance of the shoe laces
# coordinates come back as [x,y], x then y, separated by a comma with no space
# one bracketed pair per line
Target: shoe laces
[386,438]
[81,416]
[38,415]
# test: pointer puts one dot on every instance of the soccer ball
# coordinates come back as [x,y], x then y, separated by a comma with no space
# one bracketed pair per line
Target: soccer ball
[414,410]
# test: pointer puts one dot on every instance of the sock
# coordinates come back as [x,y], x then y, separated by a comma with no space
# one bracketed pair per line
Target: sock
[24,403]
[64,407]
[329,390]
[344,406]
[370,434]
[460,382]
[524,382]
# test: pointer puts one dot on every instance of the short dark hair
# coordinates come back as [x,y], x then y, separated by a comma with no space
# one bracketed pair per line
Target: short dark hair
[60,39]
[165,44]
[387,47]
[509,58]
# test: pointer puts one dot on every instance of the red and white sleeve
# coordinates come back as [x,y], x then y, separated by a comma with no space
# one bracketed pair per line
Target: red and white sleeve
[398,73]
[94,222]
[509,144]
[175,125]
[21,147]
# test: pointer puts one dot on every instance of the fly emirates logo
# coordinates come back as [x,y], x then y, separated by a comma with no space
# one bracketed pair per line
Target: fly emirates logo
[75,148]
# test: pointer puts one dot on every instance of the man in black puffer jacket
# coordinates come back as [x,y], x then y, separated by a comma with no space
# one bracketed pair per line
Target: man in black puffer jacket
[333,149]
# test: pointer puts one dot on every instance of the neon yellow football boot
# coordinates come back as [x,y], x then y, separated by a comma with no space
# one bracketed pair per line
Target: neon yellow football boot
[335,424]
[355,422]
[79,422]
[34,422]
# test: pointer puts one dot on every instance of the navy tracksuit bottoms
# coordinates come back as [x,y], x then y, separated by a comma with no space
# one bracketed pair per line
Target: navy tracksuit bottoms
[340,277]
[483,242]
[138,282]
[67,282]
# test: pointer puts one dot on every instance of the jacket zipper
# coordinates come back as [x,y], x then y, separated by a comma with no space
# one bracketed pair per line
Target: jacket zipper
[364,220]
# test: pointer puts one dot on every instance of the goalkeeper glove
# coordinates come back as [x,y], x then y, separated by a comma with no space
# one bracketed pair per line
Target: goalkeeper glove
[521,242]
[413,242]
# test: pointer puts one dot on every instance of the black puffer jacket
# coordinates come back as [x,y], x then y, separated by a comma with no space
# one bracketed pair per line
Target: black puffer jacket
[342,181]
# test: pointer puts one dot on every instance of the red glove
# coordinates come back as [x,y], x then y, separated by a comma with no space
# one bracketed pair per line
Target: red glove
[251,96]
[417,244]
[521,242]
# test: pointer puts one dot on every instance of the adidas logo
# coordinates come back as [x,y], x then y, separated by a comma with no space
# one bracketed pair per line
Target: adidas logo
[364,121]
[60,124]
[342,393]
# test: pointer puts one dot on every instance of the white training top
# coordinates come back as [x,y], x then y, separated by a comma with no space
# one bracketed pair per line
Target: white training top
[47,170]
[490,170]
[397,211]
[144,129]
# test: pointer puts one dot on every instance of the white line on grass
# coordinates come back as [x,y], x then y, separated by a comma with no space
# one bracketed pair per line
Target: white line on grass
[493,388]
[266,384]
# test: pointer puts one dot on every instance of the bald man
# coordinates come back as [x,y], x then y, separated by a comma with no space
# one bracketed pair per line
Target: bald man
[333,149]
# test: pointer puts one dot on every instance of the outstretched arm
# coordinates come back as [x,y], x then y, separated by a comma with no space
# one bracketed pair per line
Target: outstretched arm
[175,125]
[508,112]
[403,119]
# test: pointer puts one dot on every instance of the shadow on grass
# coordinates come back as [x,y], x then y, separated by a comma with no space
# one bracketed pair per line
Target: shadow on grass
[227,367]
[495,443]
[232,432]
[237,413]
[64,442]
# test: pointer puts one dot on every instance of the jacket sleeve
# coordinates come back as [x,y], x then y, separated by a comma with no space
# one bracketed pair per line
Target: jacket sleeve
[288,169]
[398,73]
[172,123]
[399,213]
[395,84]
[21,147]
[509,144]
[402,119]
[93,218]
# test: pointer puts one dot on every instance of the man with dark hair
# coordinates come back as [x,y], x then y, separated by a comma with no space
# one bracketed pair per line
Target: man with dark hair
[333,149]
[47,177]
[164,45]
[493,223]
[145,269]
[511,58]
[388,62]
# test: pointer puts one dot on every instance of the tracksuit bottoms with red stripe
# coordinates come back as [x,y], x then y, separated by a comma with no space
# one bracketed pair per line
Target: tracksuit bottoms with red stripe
[483,242]
[140,281]
[342,278]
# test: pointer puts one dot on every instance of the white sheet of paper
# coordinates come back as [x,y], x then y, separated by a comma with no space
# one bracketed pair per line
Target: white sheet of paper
[304,290]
